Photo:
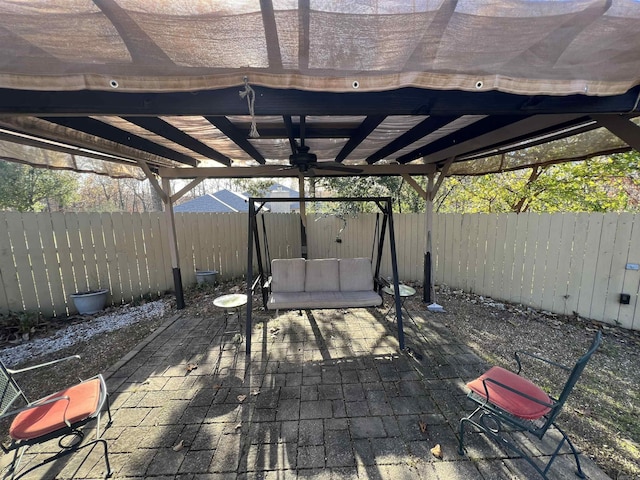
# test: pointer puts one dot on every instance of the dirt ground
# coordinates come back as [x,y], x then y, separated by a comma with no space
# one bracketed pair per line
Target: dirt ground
[602,415]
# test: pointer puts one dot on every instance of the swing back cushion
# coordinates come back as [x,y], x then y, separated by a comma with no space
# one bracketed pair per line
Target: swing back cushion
[298,283]
[287,275]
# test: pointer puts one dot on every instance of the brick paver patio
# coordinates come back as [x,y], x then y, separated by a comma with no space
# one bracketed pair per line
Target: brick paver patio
[325,395]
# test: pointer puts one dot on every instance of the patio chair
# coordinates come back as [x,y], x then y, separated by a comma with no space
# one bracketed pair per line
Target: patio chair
[60,415]
[506,399]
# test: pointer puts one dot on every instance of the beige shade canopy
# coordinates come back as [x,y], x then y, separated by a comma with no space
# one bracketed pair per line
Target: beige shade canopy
[384,87]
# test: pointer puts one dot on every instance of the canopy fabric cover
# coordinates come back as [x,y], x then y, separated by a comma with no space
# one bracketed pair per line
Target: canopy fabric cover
[525,47]
[270,48]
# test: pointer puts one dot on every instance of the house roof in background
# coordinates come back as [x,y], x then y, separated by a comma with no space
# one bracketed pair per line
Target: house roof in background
[223,201]
[236,201]
[282,191]
[205,203]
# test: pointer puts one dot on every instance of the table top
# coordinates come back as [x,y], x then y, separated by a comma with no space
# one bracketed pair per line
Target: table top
[405,290]
[232,300]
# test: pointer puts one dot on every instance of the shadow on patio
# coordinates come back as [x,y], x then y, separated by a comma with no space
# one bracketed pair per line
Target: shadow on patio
[326,394]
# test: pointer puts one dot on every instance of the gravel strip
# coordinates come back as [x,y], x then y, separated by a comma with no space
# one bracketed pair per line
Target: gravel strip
[66,337]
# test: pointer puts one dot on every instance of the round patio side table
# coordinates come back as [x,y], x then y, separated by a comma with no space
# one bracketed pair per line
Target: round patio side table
[405,292]
[231,303]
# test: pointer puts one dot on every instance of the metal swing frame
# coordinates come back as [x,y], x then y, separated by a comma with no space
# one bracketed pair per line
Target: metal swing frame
[257,204]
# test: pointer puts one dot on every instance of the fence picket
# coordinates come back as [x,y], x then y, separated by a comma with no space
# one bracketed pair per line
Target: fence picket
[10,298]
[121,255]
[591,247]
[552,257]
[558,303]
[481,254]
[628,316]
[463,251]
[448,249]
[111,255]
[142,253]
[160,224]
[472,245]
[616,276]
[22,262]
[603,267]
[514,289]
[576,252]
[510,234]
[500,253]
[88,250]
[58,301]
[97,234]
[36,260]
[154,269]
[198,241]
[526,292]
[59,224]
[541,248]
[77,258]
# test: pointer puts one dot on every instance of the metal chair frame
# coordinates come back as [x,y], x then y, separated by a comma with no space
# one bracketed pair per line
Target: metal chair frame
[10,392]
[491,419]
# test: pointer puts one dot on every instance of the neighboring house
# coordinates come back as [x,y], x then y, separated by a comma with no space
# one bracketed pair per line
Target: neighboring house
[229,202]
[224,201]
[279,190]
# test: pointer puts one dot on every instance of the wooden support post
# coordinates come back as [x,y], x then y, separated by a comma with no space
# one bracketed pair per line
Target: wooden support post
[428,290]
[173,245]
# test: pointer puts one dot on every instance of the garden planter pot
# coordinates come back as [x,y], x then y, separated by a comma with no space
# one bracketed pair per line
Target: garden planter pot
[90,302]
[206,276]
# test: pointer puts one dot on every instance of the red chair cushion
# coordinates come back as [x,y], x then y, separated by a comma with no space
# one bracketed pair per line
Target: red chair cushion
[509,401]
[36,422]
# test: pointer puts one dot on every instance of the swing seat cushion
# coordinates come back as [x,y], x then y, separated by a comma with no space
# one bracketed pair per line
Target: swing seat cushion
[326,283]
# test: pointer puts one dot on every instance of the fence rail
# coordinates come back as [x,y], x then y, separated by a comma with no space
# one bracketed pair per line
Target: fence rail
[562,263]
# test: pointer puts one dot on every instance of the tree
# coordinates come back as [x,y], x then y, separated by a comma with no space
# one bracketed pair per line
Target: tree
[28,189]
[404,197]
[603,184]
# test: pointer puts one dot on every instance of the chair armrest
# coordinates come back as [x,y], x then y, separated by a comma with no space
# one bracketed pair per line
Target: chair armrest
[535,356]
[46,364]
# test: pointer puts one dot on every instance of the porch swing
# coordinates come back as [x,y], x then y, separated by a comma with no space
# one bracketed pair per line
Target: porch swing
[299,283]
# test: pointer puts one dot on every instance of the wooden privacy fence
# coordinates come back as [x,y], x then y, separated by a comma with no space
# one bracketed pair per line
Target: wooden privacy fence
[562,263]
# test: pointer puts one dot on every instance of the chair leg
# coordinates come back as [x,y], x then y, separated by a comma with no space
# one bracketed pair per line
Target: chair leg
[575,453]
[461,436]
[64,453]
[15,463]
[501,440]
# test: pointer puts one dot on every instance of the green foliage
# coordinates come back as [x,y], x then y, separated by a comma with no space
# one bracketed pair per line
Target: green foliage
[595,185]
[28,189]
[22,322]
[253,186]
[605,184]
[405,198]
